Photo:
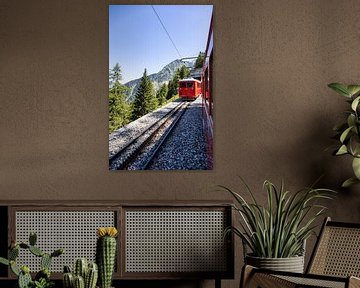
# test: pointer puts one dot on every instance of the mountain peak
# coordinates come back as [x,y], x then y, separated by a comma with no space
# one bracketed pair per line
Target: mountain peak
[159,78]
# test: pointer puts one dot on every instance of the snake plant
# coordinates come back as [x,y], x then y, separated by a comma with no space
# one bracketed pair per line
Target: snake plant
[348,132]
[279,228]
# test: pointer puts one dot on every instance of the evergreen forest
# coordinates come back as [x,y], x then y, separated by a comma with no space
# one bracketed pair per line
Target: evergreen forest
[122,111]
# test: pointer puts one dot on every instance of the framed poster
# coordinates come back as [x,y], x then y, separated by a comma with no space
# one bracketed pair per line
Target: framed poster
[160,87]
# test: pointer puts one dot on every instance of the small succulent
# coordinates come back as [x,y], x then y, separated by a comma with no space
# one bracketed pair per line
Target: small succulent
[42,283]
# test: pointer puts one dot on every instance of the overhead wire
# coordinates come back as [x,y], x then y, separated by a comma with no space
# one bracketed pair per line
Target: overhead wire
[162,24]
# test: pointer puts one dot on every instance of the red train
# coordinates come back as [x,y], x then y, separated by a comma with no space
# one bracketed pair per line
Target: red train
[207,95]
[189,89]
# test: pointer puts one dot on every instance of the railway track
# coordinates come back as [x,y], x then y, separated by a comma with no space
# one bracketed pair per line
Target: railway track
[138,153]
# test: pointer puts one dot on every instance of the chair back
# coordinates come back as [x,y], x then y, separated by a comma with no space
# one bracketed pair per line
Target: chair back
[337,251]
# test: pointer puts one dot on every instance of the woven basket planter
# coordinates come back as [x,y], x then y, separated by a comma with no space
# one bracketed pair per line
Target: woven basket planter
[291,264]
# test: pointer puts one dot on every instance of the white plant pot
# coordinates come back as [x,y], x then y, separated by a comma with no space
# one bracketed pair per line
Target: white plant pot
[291,264]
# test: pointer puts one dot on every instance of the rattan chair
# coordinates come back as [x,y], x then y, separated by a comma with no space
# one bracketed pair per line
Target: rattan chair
[334,263]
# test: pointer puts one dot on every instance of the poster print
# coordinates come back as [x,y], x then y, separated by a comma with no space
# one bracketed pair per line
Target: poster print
[160,87]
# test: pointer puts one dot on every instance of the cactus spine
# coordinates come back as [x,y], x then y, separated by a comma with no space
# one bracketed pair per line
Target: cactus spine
[106,254]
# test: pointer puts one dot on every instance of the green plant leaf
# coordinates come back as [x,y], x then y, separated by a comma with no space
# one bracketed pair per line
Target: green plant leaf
[345,134]
[351,120]
[4,261]
[356,167]
[342,150]
[349,182]
[353,89]
[354,145]
[340,88]
[279,228]
[355,103]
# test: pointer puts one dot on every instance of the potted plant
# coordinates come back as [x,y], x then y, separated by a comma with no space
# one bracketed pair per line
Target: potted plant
[87,274]
[348,132]
[276,233]
[42,278]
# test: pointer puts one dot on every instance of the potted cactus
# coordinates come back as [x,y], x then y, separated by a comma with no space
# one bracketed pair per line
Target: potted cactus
[84,275]
[42,278]
[106,254]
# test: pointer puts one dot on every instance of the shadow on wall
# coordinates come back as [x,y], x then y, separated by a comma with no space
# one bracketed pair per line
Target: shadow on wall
[309,154]
[335,170]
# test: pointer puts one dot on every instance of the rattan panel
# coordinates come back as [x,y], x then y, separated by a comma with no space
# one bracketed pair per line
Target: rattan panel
[175,241]
[313,282]
[338,253]
[75,231]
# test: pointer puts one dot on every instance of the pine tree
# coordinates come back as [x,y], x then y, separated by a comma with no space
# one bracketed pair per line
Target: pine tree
[173,84]
[161,94]
[184,72]
[119,109]
[115,74]
[145,99]
[169,90]
[200,60]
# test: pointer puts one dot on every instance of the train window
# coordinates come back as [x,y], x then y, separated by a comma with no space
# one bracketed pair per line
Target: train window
[182,84]
[189,84]
[206,84]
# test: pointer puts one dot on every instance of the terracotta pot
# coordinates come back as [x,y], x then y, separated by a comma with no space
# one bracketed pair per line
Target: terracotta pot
[291,264]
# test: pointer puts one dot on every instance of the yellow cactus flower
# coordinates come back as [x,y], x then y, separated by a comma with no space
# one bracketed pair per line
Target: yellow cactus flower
[112,231]
[101,231]
[106,231]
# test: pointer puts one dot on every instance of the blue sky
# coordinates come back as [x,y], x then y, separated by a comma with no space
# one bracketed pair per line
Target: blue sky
[138,41]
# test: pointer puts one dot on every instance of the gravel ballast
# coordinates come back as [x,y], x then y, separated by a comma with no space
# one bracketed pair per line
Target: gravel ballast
[185,148]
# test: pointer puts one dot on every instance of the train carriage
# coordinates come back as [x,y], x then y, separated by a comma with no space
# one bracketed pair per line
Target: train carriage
[208,95]
[189,89]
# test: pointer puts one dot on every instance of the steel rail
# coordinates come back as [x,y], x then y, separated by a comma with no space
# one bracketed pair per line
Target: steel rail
[138,148]
[113,157]
[163,138]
